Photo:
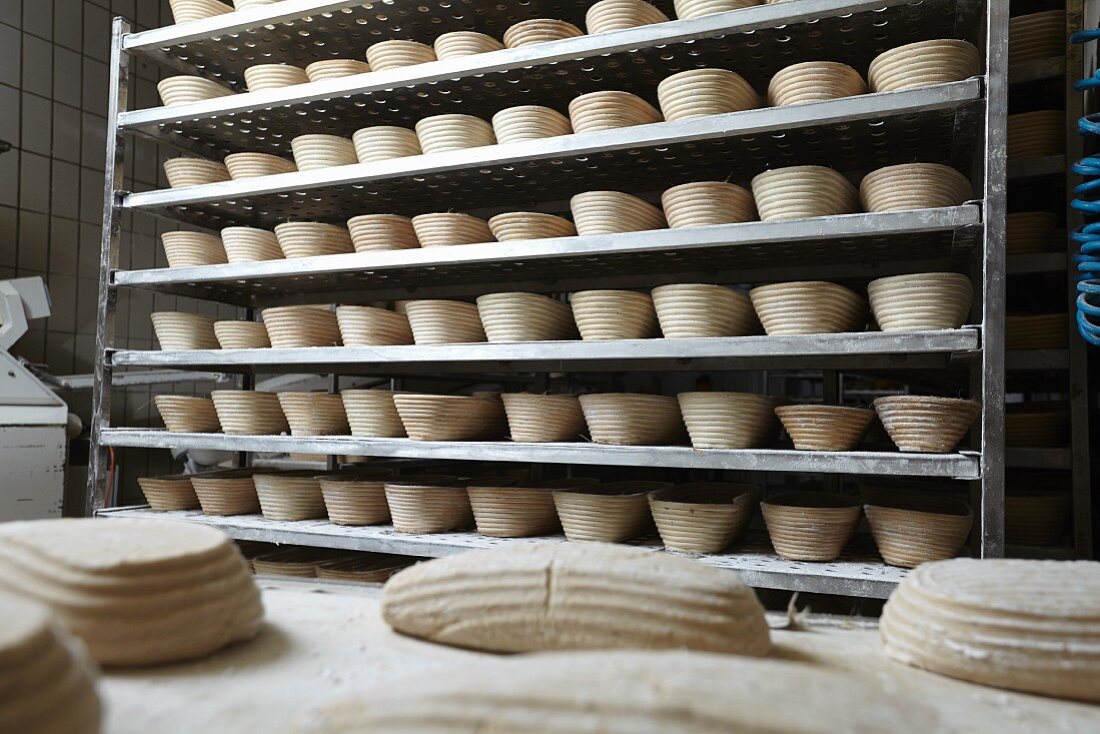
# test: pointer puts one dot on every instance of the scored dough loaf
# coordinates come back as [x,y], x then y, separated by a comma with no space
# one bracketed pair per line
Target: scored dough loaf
[562,596]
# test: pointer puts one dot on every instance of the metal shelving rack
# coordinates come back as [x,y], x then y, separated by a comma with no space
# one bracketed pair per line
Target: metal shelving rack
[960,123]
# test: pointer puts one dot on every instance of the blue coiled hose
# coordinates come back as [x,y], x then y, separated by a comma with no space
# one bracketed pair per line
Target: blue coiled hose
[1086,199]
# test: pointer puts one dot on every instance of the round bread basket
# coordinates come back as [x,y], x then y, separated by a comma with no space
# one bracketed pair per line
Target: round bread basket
[701,92]
[372,414]
[241,335]
[368,326]
[632,419]
[607,513]
[808,307]
[707,203]
[312,239]
[814,81]
[810,526]
[226,492]
[1040,331]
[923,64]
[252,165]
[444,322]
[320,71]
[1037,425]
[313,152]
[244,4]
[920,302]
[464,43]
[616,15]
[441,133]
[703,517]
[913,186]
[608,110]
[1036,518]
[798,192]
[249,412]
[525,317]
[728,420]
[289,327]
[825,427]
[289,496]
[187,10]
[382,232]
[385,142]
[273,76]
[539,30]
[444,229]
[248,244]
[697,8]
[186,414]
[351,500]
[168,494]
[609,212]
[612,314]
[529,122]
[192,249]
[1028,232]
[911,532]
[396,54]
[175,90]
[314,413]
[530,226]
[421,508]
[367,568]
[519,512]
[450,417]
[537,418]
[918,423]
[1036,36]
[184,172]
[1036,134]
[699,310]
[180,330]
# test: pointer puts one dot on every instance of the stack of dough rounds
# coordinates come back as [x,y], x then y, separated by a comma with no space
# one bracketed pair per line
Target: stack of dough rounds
[706,203]
[616,15]
[539,30]
[609,110]
[319,71]
[701,92]
[47,680]
[464,43]
[192,249]
[563,596]
[273,76]
[440,133]
[385,142]
[138,592]
[396,54]
[382,232]
[814,81]
[529,122]
[1023,625]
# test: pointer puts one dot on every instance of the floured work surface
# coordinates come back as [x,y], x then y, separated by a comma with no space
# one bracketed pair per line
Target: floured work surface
[323,641]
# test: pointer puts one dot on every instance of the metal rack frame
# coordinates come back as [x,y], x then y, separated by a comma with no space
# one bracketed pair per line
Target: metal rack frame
[946,118]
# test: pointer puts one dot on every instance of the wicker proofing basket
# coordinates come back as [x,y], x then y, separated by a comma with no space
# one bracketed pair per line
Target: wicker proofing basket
[184,172]
[450,417]
[522,511]
[243,4]
[1029,232]
[385,142]
[273,76]
[608,314]
[536,418]
[418,508]
[539,30]
[444,229]
[825,427]
[185,414]
[444,322]
[1036,36]
[608,513]
[530,226]
[609,110]
[464,43]
[728,420]
[1036,134]
[179,330]
[923,64]
[368,326]
[1037,425]
[616,15]
[289,327]
[192,249]
[166,494]
[1036,518]
[382,232]
[697,8]
[529,122]
[226,493]
[314,413]
[1040,331]
[312,152]
[707,203]
[808,307]
[632,419]
[441,133]
[187,10]
[252,165]
[810,526]
[289,496]
[175,90]
[351,500]
[701,92]
[703,517]
[920,302]
[798,192]
[372,414]
[525,317]
[695,310]
[248,244]
[814,81]
[924,424]
[913,186]
[249,412]
[319,71]
[909,533]
[241,335]
[396,54]
[364,568]
[609,212]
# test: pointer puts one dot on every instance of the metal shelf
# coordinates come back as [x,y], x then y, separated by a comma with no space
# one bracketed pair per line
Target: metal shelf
[963,465]
[726,253]
[1037,70]
[931,124]
[634,60]
[1037,262]
[859,572]
[1038,458]
[1037,359]
[1025,168]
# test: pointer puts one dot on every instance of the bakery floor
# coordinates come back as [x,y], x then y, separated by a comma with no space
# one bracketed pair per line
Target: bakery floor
[325,640]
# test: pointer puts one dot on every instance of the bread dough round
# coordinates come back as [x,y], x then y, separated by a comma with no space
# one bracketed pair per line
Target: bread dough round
[571,596]
[136,591]
[1023,625]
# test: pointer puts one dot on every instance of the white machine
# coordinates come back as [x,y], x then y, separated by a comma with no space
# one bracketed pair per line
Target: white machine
[33,418]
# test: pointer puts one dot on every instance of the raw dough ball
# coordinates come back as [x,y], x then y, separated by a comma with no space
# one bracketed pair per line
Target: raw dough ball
[567,596]
[47,682]
[136,591]
[1024,625]
[613,692]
